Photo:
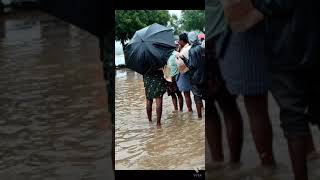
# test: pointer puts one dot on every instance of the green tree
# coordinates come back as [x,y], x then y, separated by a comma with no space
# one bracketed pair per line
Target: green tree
[193,20]
[175,24]
[127,22]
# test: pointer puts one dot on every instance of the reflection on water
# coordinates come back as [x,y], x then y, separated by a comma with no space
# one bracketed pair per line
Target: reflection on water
[53,116]
[179,144]
[119,60]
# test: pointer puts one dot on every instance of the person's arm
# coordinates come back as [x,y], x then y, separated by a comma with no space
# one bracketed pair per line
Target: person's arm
[187,62]
[271,7]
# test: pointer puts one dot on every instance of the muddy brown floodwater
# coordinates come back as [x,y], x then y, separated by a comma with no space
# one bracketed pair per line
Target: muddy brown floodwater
[53,109]
[178,145]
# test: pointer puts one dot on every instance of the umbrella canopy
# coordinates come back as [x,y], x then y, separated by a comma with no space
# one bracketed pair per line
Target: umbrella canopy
[150,48]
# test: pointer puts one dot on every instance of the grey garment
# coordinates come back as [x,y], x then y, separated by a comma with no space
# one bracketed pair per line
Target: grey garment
[292,32]
[272,7]
[196,64]
[193,38]
[290,91]
[244,66]
[197,91]
[215,21]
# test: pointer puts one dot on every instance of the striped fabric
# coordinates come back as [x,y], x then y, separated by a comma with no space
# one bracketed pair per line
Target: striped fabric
[245,64]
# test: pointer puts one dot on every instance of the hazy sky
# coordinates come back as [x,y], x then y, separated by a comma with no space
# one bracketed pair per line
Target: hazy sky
[177,12]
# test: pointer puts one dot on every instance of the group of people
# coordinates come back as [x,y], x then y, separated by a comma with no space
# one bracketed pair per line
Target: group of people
[279,54]
[183,73]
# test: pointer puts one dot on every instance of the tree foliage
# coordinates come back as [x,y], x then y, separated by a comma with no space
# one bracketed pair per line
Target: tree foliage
[127,22]
[193,20]
[175,24]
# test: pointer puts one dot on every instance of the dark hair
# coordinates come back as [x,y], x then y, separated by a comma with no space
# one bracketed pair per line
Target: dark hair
[183,37]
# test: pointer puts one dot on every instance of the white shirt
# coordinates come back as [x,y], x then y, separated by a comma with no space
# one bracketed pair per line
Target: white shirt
[184,52]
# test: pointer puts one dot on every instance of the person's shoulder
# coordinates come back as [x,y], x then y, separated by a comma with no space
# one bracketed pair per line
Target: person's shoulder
[197,46]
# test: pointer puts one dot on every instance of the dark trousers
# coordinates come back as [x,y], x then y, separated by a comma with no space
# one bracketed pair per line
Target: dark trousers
[297,94]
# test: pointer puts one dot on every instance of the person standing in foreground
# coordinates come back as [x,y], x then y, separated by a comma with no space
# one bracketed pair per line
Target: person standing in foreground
[183,78]
[196,65]
[155,87]
[245,69]
[216,91]
[293,45]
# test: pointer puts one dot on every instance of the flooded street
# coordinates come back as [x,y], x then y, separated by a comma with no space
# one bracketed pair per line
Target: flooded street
[178,145]
[53,113]
[250,165]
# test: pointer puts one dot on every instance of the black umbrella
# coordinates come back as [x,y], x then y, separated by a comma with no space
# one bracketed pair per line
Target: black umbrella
[149,48]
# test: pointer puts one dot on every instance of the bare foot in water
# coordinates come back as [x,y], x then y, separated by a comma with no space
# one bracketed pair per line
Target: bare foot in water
[265,170]
[158,125]
[214,166]
[233,166]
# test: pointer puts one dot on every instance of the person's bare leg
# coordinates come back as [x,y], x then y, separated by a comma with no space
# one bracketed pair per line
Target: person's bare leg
[174,101]
[198,102]
[199,110]
[180,98]
[234,126]
[214,133]
[159,110]
[260,124]
[188,100]
[312,153]
[149,109]
[297,151]
[310,145]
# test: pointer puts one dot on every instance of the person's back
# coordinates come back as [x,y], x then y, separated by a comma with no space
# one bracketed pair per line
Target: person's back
[196,61]
[196,64]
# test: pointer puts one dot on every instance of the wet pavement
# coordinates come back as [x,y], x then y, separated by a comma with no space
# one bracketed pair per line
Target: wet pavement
[178,145]
[53,113]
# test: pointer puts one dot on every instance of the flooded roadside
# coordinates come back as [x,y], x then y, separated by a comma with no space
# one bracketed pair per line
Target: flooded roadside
[178,145]
[53,111]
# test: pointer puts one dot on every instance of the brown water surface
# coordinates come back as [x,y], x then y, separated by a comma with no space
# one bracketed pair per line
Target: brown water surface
[53,108]
[179,144]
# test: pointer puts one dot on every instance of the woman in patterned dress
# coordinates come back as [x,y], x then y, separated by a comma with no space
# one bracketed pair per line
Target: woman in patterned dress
[155,87]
